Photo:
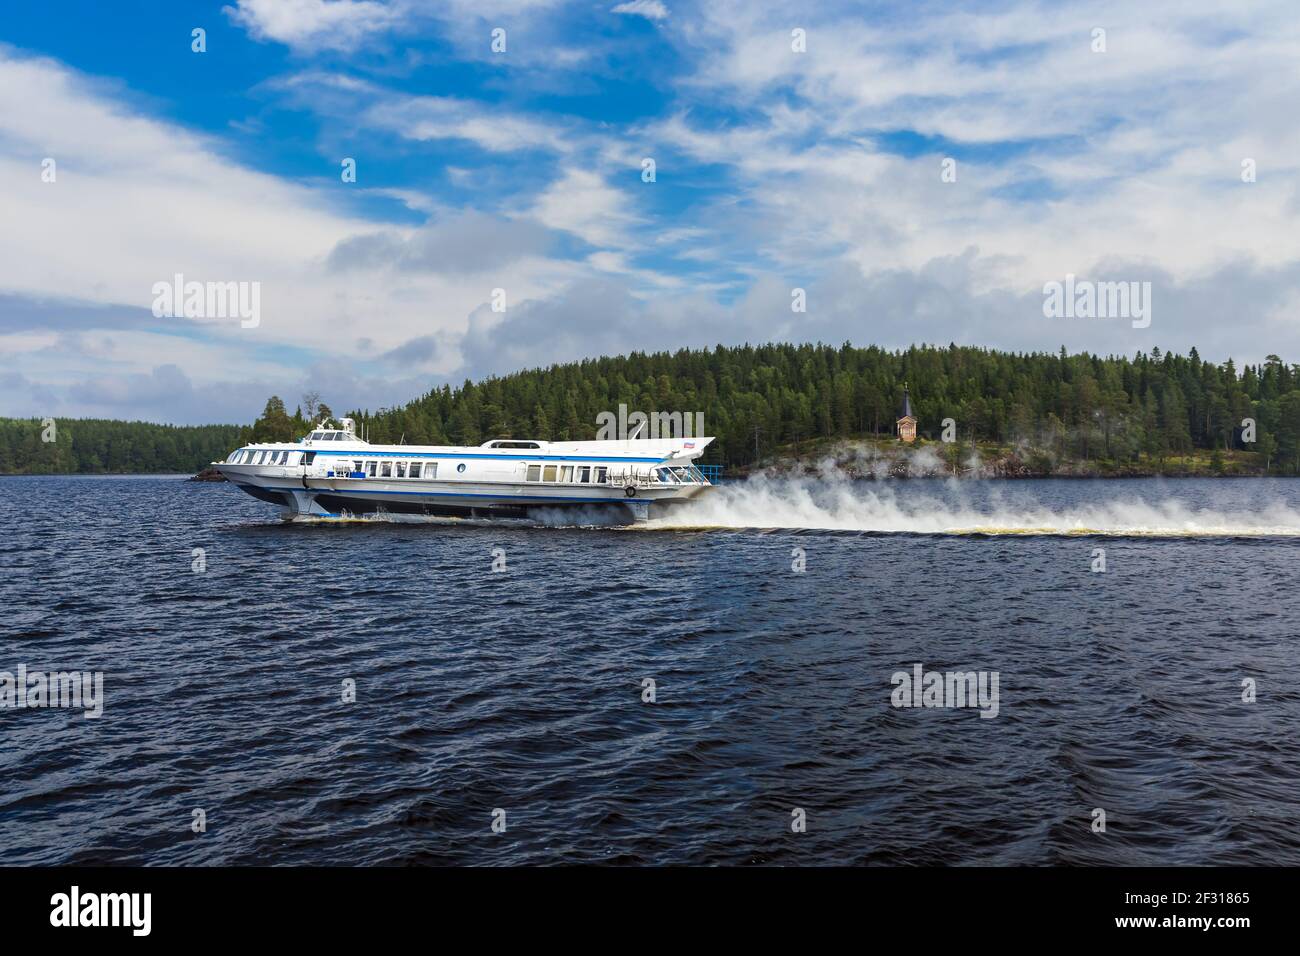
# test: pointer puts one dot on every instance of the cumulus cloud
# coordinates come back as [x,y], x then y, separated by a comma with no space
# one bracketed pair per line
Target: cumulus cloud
[581,202]
[461,243]
[313,25]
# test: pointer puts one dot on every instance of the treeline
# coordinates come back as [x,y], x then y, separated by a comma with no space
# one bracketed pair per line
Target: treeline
[95,446]
[757,399]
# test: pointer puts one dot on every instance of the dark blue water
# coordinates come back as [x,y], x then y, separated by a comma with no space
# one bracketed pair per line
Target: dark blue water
[522,690]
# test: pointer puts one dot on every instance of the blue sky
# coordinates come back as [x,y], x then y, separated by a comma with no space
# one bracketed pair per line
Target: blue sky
[521,170]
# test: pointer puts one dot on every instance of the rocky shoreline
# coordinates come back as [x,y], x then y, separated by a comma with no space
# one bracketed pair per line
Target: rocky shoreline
[881,460]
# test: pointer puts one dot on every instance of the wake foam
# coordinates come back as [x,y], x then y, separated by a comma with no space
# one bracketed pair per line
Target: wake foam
[844,505]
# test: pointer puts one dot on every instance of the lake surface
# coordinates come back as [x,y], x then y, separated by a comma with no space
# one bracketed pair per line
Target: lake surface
[521,691]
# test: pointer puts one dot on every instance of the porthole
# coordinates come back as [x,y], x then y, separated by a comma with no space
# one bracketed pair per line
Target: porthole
[461,467]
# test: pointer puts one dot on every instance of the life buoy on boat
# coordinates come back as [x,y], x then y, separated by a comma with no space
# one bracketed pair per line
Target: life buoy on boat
[630,491]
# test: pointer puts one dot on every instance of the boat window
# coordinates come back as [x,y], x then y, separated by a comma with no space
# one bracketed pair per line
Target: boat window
[431,470]
[566,473]
[415,469]
[308,457]
[514,444]
[548,473]
[584,473]
[370,468]
[401,469]
[534,472]
[385,469]
[601,472]
[316,436]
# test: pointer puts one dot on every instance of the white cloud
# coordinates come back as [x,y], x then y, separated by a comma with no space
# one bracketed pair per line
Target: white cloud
[421,118]
[1135,152]
[437,117]
[582,203]
[650,9]
[313,25]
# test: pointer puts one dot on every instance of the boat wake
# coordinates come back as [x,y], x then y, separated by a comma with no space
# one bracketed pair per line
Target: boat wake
[879,507]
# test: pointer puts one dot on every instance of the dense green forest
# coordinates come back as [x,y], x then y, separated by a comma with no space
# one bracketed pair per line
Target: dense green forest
[769,399]
[1084,407]
[33,446]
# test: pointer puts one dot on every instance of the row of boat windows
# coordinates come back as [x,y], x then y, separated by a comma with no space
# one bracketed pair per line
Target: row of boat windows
[598,473]
[394,469]
[254,457]
[580,473]
[372,469]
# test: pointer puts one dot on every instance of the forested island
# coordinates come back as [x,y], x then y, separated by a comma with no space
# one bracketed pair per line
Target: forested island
[95,446]
[1013,414]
